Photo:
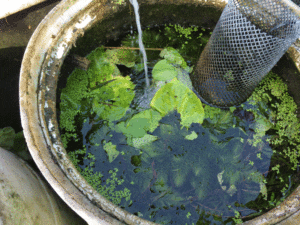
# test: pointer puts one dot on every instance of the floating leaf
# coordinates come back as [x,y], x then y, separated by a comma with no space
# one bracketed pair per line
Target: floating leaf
[140,142]
[212,113]
[99,73]
[219,176]
[164,100]
[152,115]
[124,57]
[167,129]
[176,95]
[163,71]
[100,69]
[191,136]
[112,100]
[111,151]
[173,56]
[71,96]
[191,110]
[201,193]
[225,117]
[140,124]
[137,127]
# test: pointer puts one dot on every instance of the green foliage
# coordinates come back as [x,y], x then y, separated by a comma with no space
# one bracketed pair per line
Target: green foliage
[176,95]
[110,95]
[163,71]
[124,57]
[20,147]
[140,142]
[7,135]
[237,219]
[173,56]
[14,142]
[181,33]
[111,151]
[102,85]
[273,91]
[260,127]
[140,124]
[107,189]
[186,40]
[191,136]
[111,101]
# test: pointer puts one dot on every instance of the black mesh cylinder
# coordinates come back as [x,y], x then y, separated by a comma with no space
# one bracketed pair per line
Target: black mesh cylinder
[248,40]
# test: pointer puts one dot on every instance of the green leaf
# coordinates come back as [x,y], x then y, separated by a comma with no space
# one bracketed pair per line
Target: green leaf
[111,151]
[101,69]
[163,71]
[100,73]
[197,170]
[173,56]
[140,142]
[7,135]
[200,192]
[20,146]
[164,99]
[175,197]
[137,127]
[160,184]
[177,95]
[140,124]
[191,110]
[112,100]
[219,176]
[212,113]
[152,115]
[225,117]
[191,136]
[124,57]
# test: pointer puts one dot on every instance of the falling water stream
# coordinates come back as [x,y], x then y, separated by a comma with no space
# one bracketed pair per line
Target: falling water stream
[142,48]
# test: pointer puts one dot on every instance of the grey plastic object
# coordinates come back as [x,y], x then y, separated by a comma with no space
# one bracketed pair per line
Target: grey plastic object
[248,40]
[25,198]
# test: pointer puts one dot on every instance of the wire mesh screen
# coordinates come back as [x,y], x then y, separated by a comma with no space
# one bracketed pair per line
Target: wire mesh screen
[248,40]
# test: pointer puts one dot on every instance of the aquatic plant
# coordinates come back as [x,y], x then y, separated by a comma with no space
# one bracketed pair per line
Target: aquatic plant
[95,179]
[146,131]
[106,94]
[283,119]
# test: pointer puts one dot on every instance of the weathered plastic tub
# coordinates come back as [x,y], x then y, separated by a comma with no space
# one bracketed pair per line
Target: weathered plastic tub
[42,61]
[27,199]
[12,6]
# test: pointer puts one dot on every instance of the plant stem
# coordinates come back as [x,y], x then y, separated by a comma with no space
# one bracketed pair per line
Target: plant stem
[134,48]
